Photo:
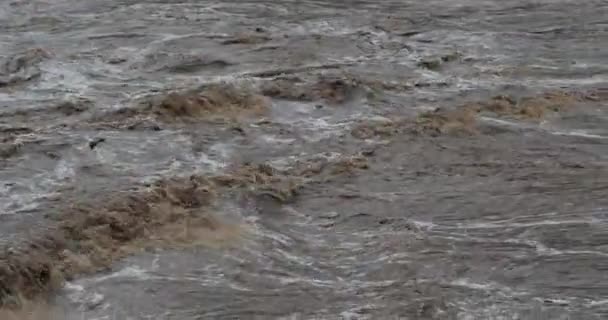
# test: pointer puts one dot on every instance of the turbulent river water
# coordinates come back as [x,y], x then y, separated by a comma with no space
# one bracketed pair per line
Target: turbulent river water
[504,219]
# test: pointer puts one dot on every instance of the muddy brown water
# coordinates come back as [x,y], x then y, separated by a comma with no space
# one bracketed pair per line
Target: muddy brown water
[503,215]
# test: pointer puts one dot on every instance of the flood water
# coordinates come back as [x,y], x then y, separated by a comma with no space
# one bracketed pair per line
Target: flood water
[510,222]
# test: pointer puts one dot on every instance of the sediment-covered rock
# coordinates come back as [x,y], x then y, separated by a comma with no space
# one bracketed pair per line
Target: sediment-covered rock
[213,101]
[531,107]
[463,119]
[437,122]
[330,89]
[209,103]
[89,236]
[441,121]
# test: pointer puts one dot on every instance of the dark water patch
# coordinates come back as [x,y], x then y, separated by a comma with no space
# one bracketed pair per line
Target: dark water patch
[64,108]
[247,39]
[197,65]
[22,67]
[117,35]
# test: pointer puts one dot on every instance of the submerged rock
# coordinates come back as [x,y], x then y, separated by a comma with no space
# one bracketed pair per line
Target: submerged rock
[222,100]
[90,236]
[66,108]
[22,66]
[73,107]
[209,103]
[532,107]
[441,121]
[464,119]
[331,90]
[430,64]
[436,63]
[10,145]
[8,150]
[437,122]
[375,127]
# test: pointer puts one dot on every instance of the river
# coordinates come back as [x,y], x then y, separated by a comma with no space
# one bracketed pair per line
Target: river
[459,154]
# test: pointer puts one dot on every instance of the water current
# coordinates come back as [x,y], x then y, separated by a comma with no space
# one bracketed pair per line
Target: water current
[502,214]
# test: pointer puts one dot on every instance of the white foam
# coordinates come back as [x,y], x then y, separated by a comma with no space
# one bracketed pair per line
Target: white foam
[78,294]
[377,284]
[291,257]
[471,285]
[272,139]
[212,164]
[133,272]
[74,287]
[542,126]
[283,239]
[424,224]
[25,193]
[358,312]
[56,74]
[488,286]
[595,303]
[593,80]
[223,150]
[562,302]
[503,122]
[490,225]
[64,170]
[311,281]
[578,133]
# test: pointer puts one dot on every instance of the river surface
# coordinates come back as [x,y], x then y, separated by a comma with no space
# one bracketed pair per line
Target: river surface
[508,223]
